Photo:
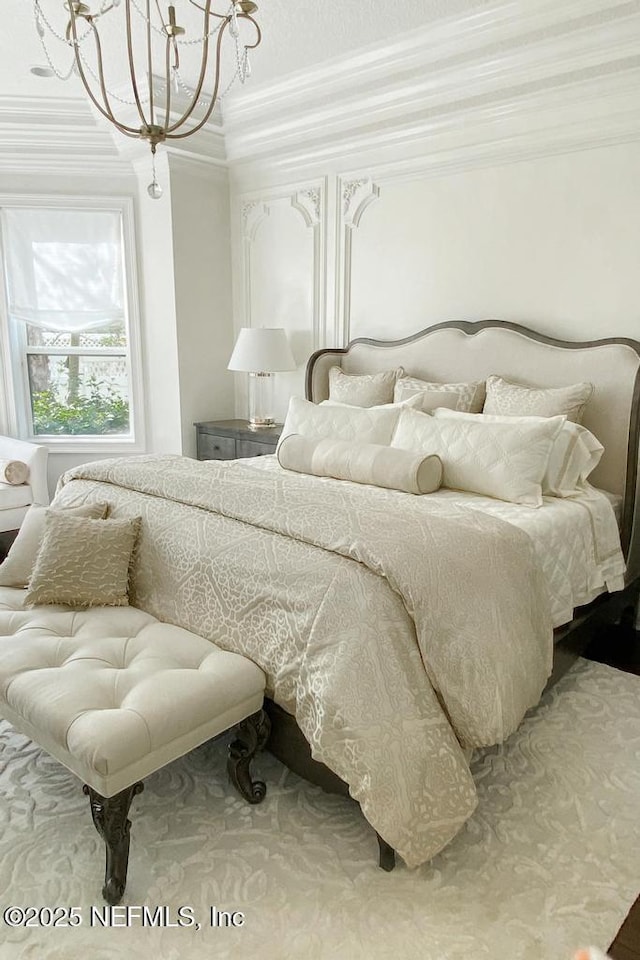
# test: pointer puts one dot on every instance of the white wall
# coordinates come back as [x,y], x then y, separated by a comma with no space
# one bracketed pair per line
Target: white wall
[202,275]
[552,243]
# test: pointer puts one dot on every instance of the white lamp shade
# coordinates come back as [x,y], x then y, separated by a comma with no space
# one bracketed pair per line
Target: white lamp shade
[261,350]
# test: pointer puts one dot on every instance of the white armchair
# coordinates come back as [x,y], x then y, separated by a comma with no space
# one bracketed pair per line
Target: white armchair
[16,500]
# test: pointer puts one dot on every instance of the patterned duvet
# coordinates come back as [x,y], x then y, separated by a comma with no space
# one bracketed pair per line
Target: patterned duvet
[397,629]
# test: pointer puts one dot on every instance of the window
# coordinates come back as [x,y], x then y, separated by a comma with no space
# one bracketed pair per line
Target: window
[71,344]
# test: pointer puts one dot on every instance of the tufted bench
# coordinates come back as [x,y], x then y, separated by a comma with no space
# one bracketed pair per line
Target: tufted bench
[114,694]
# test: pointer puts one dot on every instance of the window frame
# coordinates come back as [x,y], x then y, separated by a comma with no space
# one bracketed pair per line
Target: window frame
[15,398]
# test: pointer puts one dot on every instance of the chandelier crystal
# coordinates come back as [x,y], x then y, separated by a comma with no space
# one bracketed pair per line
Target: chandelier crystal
[150,100]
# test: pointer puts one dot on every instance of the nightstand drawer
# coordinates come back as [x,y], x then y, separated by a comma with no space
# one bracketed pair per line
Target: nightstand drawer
[211,447]
[234,440]
[253,448]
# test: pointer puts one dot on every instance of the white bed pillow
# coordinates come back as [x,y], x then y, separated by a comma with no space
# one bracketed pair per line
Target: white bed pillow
[457,396]
[502,460]
[362,390]
[505,398]
[410,402]
[370,463]
[574,455]
[320,421]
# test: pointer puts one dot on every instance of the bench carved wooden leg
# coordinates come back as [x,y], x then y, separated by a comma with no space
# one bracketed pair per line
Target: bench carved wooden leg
[110,820]
[251,736]
[387,854]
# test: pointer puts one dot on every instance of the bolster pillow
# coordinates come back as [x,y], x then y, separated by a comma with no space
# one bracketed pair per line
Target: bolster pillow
[13,471]
[362,463]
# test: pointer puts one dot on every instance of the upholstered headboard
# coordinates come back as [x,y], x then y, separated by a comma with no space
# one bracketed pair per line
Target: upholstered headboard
[458,350]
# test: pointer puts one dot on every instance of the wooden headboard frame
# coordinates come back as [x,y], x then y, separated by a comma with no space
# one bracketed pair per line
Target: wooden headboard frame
[458,350]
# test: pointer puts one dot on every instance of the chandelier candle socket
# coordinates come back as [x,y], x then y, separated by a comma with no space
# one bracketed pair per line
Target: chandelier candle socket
[260,352]
[148,44]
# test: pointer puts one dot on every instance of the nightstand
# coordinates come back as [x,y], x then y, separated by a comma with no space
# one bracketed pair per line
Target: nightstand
[233,440]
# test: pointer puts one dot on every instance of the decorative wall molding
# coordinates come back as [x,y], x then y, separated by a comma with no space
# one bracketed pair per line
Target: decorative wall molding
[355,196]
[309,201]
[253,212]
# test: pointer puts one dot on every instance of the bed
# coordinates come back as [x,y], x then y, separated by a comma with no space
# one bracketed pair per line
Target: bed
[382,670]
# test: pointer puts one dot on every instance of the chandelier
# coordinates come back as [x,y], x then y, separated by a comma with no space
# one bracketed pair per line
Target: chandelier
[154,101]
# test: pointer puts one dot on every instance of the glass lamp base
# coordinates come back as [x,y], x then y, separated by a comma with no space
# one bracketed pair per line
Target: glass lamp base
[260,401]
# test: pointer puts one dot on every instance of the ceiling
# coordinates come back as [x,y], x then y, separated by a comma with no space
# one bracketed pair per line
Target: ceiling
[295,35]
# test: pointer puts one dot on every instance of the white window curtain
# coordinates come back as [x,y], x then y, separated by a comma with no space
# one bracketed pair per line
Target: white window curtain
[65,268]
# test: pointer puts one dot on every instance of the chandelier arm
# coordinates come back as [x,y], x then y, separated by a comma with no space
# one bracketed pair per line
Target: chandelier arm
[252,46]
[152,111]
[203,69]
[214,96]
[168,84]
[105,110]
[103,86]
[132,69]
[170,135]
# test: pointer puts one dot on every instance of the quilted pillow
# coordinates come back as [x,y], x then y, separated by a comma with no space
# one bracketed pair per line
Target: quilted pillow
[83,562]
[411,402]
[502,460]
[575,452]
[361,463]
[516,400]
[367,425]
[456,396]
[16,569]
[362,390]
[13,472]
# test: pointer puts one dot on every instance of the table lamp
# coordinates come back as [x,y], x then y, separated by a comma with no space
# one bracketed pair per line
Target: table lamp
[261,352]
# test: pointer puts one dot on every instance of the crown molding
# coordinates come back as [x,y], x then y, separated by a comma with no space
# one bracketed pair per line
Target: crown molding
[578,115]
[68,137]
[197,166]
[44,111]
[573,63]
[56,137]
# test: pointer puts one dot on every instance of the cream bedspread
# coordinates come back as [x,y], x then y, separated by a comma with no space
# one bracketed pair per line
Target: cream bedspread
[396,628]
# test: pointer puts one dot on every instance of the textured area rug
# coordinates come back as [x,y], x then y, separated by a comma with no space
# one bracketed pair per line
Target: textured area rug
[549,862]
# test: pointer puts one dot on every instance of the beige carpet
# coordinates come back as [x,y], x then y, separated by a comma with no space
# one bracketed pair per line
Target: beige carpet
[549,862]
